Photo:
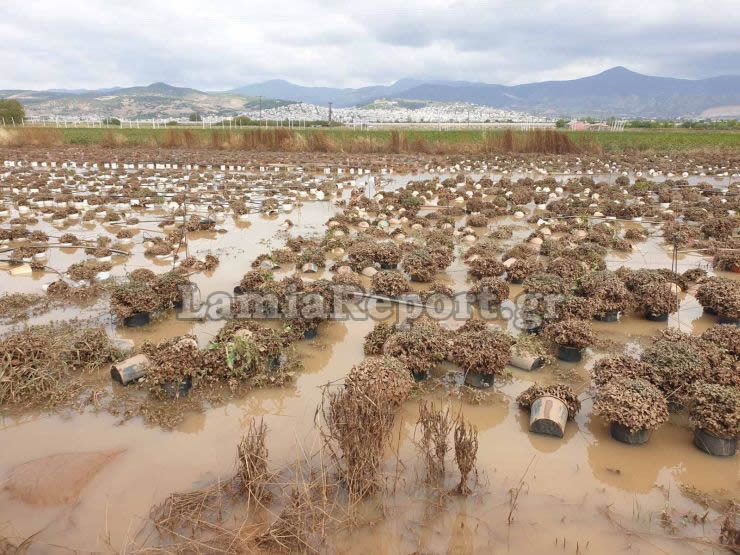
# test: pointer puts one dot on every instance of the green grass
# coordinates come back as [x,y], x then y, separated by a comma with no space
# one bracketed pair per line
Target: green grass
[628,141]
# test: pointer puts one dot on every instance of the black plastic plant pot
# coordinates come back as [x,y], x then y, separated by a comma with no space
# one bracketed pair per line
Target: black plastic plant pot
[656,317]
[517,281]
[478,380]
[569,354]
[727,320]
[534,329]
[175,390]
[137,320]
[710,310]
[420,375]
[612,316]
[178,304]
[238,290]
[388,266]
[273,364]
[310,333]
[622,433]
[713,445]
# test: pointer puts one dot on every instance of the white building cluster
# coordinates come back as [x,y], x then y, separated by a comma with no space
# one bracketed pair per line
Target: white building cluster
[389,111]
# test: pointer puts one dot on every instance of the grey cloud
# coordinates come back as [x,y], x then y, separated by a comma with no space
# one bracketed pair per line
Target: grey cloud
[219,45]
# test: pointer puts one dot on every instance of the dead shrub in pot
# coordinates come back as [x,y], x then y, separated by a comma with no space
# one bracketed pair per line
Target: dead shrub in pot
[133,298]
[657,301]
[383,379]
[611,368]
[569,269]
[377,337]
[571,337]
[607,293]
[485,266]
[633,403]
[389,283]
[676,366]
[521,269]
[485,352]
[721,296]
[490,291]
[716,409]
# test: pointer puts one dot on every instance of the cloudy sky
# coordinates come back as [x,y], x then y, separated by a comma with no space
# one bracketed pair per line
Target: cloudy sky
[221,44]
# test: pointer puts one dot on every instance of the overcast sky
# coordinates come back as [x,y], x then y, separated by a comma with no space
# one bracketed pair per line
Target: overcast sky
[221,44]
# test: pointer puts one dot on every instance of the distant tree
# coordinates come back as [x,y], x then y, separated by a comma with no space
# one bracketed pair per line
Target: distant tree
[242,120]
[561,123]
[172,123]
[112,121]
[11,111]
[195,116]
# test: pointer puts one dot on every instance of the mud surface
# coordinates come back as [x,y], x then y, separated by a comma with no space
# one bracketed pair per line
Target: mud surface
[84,481]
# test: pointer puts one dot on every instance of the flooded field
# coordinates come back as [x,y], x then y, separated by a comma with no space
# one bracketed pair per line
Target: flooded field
[82,474]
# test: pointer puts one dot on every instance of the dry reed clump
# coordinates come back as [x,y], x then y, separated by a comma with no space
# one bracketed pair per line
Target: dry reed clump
[560,391]
[251,459]
[31,136]
[356,429]
[44,364]
[436,424]
[466,452]
[632,402]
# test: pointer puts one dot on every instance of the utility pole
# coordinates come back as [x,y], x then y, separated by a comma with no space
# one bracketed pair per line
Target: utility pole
[330,103]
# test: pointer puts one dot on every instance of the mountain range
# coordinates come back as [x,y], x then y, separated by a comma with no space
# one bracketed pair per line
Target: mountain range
[614,92]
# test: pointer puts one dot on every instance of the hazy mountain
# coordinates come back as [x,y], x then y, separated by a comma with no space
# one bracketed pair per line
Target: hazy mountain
[158,100]
[615,92]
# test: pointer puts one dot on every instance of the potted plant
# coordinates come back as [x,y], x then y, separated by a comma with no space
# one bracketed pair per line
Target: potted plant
[134,302]
[611,368]
[633,407]
[715,415]
[674,366]
[521,268]
[550,407]
[382,379]
[721,296]
[607,293]
[482,354]
[489,292]
[389,283]
[571,337]
[657,301]
[420,347]
[485,266]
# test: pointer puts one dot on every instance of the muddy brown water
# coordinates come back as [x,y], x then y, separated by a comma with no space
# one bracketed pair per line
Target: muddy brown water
[586,493]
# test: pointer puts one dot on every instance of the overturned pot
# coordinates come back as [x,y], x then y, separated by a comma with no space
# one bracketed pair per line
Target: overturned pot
[478,380]
[130,370]
[526,362]
[622,433]
[548,416]
[420,375]
[714,445]
[569,354]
